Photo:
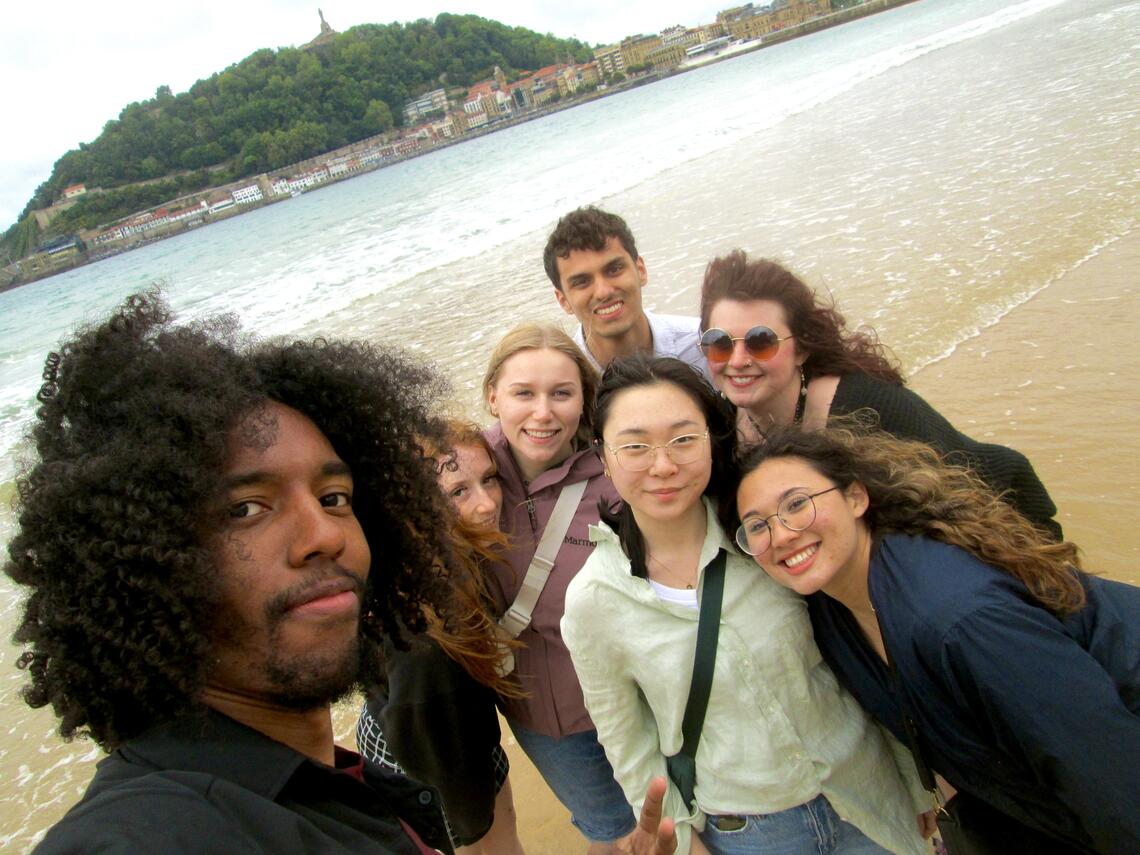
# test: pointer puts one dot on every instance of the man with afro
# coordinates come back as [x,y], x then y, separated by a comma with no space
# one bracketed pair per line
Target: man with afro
[215,539]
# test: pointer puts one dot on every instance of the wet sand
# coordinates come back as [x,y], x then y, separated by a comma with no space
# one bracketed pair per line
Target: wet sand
[1056,378]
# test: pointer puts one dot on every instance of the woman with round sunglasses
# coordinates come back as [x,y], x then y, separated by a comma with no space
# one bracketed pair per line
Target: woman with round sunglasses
[434,720]
[783,357]
[970,635]
[784,753]
[540,387]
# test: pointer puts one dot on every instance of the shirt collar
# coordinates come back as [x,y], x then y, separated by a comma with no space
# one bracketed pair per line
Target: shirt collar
[215,744]
[715,537]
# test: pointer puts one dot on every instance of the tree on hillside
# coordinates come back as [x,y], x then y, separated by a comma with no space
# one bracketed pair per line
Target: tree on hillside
[276,107]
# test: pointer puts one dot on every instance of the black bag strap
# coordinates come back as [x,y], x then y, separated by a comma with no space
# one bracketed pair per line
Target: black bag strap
[708,628]
[925,775]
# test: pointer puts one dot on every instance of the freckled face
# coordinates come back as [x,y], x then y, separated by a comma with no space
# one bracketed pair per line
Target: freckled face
[829,555]
[744,381]
[292,564]
[655,415]
[538,401]
[473,488]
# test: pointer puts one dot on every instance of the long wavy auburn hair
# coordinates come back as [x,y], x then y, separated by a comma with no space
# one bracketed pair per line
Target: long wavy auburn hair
[475,644]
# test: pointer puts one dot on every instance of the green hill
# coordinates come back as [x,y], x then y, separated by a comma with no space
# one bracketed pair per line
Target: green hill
[277,107]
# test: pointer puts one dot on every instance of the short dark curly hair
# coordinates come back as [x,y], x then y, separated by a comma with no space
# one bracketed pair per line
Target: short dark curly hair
[586,228]
[116,519]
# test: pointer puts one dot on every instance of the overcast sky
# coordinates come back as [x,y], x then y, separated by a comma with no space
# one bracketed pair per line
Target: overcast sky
[69,67]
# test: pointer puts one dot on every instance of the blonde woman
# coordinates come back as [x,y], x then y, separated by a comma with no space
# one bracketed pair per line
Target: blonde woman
[540,388]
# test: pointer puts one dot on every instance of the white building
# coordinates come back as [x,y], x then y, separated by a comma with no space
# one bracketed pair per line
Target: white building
[248,195]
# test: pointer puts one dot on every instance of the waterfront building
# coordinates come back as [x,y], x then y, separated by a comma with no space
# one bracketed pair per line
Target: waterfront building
[220,202]
[635,49]
[476,120]
[665,57]
[611,62]
[429,102]
[752,22]
[588,74]
[108,235]
[679,35]
[247,195]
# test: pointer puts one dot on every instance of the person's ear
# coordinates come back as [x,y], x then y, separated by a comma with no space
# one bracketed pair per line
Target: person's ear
[642,273]
[857,498]
[492,403]
[563,302]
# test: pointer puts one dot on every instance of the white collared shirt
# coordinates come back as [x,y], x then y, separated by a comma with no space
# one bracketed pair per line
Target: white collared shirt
[673,335]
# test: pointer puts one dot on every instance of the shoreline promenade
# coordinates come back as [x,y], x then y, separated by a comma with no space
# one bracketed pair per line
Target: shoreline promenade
[17,273]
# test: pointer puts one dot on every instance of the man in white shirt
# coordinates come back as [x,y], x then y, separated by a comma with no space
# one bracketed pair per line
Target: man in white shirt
[592,260]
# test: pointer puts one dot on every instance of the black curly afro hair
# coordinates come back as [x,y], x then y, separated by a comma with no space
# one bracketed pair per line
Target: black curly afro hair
[115,519]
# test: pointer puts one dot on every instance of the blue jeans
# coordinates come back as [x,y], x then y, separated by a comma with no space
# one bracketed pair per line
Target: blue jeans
[576,769]
[813,828]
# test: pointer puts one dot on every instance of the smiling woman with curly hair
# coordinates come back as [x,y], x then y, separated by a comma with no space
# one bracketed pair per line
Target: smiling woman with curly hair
[964,629]
[138,517]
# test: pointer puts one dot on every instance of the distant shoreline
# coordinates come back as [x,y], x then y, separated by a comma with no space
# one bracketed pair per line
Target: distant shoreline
[870,7]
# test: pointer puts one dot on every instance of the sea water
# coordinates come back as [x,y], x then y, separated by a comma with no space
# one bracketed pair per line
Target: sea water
[932,167]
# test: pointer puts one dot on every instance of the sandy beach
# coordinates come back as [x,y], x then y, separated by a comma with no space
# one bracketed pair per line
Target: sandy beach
[1019,390]
[962,176]
[1057,370]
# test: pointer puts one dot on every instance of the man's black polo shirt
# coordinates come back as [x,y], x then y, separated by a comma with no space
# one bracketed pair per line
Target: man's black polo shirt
[212,785]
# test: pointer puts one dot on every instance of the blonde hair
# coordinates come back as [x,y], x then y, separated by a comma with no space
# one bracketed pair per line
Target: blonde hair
[913,491]
[531,336]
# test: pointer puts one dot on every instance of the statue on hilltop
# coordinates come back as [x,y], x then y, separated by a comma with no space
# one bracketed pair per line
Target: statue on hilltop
[327,33]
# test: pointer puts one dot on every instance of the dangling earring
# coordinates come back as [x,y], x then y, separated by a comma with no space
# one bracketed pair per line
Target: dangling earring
[802,402]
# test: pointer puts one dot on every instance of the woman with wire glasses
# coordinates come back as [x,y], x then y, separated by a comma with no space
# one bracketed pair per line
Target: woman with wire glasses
[782,356]
[786,760]
[965,631]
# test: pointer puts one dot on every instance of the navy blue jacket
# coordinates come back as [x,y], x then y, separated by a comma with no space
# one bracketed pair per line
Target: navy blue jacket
[1036,715]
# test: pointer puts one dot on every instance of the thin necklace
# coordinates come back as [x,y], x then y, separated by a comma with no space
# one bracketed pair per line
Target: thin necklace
[673,573]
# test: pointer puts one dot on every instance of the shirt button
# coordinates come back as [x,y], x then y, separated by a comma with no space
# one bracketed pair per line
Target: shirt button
[425,797]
